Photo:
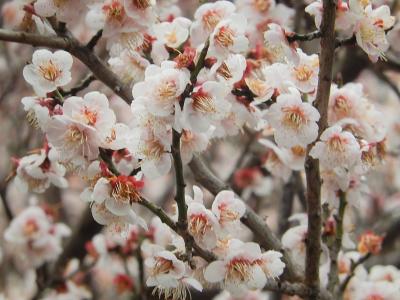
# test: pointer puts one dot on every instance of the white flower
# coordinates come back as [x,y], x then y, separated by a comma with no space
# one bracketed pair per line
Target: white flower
[228,209]
[161,88]
[230,70]
[34,237]
[304,75]
[38,110]
[37,171]
[337,148]
[172,34]
[294,121]
[202,224]
[277,160]
[65,11]
[277,46]
[194,143]
[206,18]
[48,71]
[142,11]
[243,268]
[129,65]
[164,270]
[206,106]
[293,240]
[228,37]
[370,28]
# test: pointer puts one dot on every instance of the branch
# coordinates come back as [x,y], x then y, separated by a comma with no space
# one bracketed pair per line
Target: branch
[94,40]
[71,45]
[304,37]
[254,222]
[3,196]
[293,289]
[313,242]
[353,267]
[83,85]
[336,244]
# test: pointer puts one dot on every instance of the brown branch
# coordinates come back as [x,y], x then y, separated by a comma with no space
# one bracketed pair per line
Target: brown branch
[293,289]
[313,241]
[71,45]
[354,265]
[255,223]
[304,37]
[94,40]
[83,85]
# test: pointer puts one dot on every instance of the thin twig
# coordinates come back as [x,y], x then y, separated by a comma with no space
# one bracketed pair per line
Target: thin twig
[71,45]
[304,37]
[94,40]
[352,269]
[83,85]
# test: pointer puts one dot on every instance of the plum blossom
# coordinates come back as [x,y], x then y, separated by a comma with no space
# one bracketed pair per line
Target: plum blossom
[65,11]
[35,239]
[228,209]
[205,107]
[142,11]
[39,110]
[370,27]
[244,268]
[228,37]
[207,17]
[277,47]
[193,143]
[172,34]
[202,223]
[129,65]
[294,121]
[230,70]
[337,148]
[161,88]
[48,71]
[37,171]
[276,160]
[304,75]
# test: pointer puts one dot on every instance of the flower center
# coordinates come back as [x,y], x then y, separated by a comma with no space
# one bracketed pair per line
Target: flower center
[293,117]
[154,149]
[337,144]
[75,137]
[199,225]
[90,116]
[341,105]
[124,190]
[239,269]
[203,102]
[298,151]
[171,37]
[227,215]
[167,90]
[49,71]
[262,5]
[187,136]
[224,37]
[162,266]
[224,71]
[210,19]
[114,11]
[30,227]
[303,72]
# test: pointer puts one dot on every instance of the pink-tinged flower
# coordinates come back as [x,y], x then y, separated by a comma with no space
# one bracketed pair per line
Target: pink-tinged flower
[91,110]
[228,209]
[202,224]
[39,110]
[277,46]
[37,171]
[35,239]
[119,224]
[304,75]
[229,37]
[142,11]
[48,71]
[109,15]
[276,78]
[205,107]
[230,70]
[250,295]
[344,18]
[384,273]
[70,290]
[161,88]
[65,11]
[172,34]
[260,88]
[129,65]
[118,193]
[337,148]
[243,268]
[370,28]
[164,269]
[124,161]
[194,143]
[381,290]
[255,10]
[207,17]
[293,240]
[276,160]
[294,121]
[251,180]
